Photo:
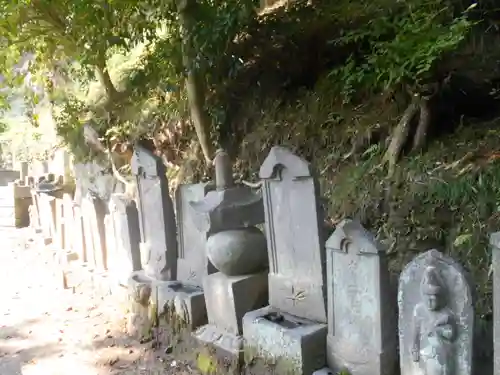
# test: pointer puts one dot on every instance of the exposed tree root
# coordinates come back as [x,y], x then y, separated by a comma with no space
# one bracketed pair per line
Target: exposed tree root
[423,125]
[400,135]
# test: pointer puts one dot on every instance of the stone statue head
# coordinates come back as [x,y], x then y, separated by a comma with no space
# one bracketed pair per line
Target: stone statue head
[432,288]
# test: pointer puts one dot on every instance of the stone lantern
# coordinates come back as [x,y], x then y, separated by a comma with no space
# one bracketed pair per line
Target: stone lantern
[238,250]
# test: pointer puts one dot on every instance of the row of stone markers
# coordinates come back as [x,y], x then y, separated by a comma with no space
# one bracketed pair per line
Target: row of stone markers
[93,239]
[236,299]
[244,280]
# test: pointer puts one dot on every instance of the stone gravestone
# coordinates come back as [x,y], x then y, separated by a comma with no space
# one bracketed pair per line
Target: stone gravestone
[181,303]
[69,222]
[436,317]
[157,218]
[495,260]
[93,211]
[124,237]
[111,251]
[192,263]
[158,246]
[79,243]
[34,209]
[292,329]
[60,238]
[47,216]
[362,334]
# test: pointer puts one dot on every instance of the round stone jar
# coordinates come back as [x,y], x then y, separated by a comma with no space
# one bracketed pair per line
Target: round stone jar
[238,251]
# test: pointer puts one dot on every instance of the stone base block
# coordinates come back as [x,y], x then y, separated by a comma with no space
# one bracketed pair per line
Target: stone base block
[175,305]
[142,313]
[229,298]
[284,343]
[75,275]
[21,210]
[182,302]
[219,352]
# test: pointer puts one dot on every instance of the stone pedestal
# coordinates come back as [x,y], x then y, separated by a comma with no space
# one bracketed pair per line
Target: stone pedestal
[143,312]
[228,299]
[298,343]
[174,305]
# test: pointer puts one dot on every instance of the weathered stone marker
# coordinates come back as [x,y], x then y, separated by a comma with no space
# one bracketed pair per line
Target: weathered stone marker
[93,211]
[158,246]
[156,217]
[60,225]
[192,264]
[291,331]
[238,250]
[495,259]
[69,222]
[362,332]
[436,317]
[124,237]
[181,304]
[79,240]
[111,249]
[22,203]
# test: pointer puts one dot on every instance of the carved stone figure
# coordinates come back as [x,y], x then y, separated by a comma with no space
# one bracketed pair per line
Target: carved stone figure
[433,327]
[436,317]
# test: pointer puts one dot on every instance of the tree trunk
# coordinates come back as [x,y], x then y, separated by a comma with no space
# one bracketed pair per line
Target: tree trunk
[195,84]
[423,125]
[400,135]
[105,79]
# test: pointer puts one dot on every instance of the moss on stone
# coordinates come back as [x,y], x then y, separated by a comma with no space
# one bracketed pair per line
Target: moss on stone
[206,363]
[209,358]
[257,363]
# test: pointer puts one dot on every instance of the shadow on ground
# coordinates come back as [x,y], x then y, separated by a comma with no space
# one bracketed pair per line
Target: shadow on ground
[125,355]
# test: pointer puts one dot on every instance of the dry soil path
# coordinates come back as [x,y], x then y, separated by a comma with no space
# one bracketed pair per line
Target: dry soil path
[46,330]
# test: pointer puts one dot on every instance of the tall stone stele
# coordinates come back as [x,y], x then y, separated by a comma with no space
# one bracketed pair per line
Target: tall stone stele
[237,249]
[495,259]
[362,334]
[158,242]
[291,331]
[181,303]
[122,237]
[156,217]
[436,317]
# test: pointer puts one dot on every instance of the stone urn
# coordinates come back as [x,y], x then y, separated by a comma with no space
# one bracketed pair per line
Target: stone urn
[235,246]
[238,251]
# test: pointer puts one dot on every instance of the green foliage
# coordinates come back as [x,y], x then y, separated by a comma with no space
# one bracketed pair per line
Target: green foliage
[63,44]
[20,138]
[400,45]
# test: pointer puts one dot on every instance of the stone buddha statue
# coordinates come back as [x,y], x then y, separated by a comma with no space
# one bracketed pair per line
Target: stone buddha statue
[434,327]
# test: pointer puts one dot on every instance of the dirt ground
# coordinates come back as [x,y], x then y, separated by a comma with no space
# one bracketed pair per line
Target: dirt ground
[47,330]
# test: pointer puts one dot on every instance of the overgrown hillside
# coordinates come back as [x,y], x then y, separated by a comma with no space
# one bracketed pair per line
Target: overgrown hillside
[444,194]
[395,103]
